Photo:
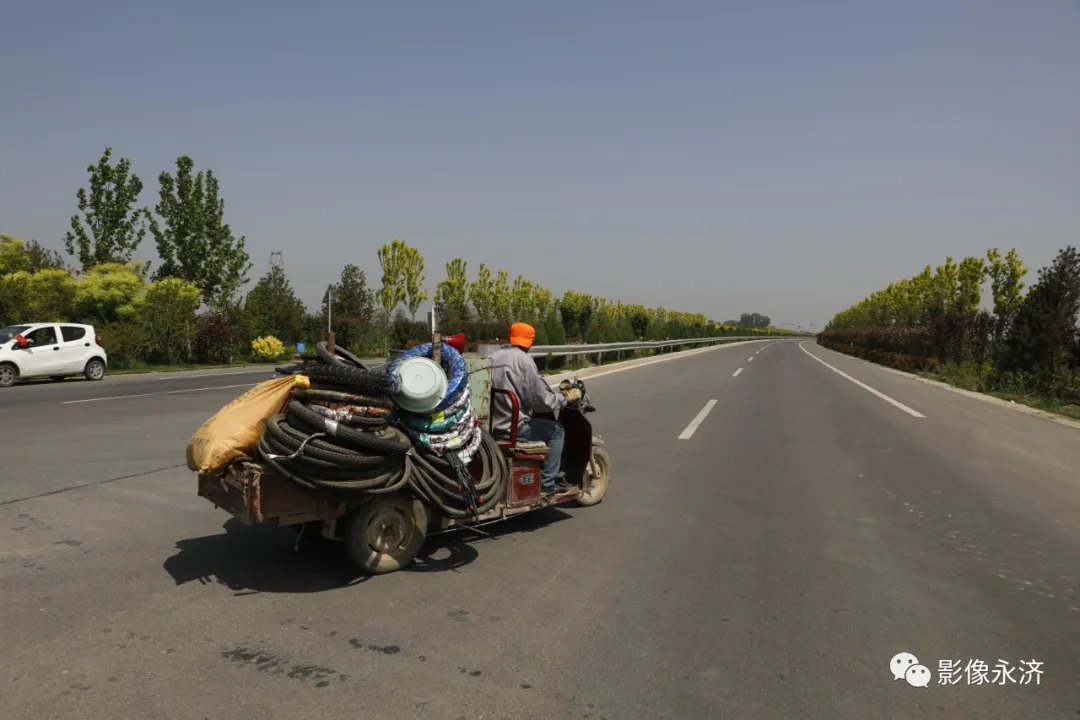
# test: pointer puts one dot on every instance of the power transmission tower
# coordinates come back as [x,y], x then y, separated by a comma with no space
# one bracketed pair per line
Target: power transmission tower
[276,259]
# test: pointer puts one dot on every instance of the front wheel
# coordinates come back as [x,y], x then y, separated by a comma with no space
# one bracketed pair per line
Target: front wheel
[8,375]
[95,370]
[597,478]
[385,533]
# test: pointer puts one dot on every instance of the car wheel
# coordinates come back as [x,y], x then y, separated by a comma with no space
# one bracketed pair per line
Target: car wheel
[95,370]
[8,375]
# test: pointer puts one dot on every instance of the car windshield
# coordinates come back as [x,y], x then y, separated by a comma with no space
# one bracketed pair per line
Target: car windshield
[10,332]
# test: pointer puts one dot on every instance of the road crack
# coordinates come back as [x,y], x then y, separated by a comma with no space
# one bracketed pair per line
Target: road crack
[95,483]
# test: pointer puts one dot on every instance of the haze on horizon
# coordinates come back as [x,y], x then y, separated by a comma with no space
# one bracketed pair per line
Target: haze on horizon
[786,158]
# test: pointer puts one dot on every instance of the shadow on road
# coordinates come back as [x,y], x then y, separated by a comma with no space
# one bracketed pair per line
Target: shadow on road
[261,559]
[455,549]
[39,381]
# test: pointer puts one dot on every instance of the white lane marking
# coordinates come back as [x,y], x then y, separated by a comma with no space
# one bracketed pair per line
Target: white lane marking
[206,375]
[689,431]
[559,377]
[864,386]
[167,392]
[750,359]
[736,373]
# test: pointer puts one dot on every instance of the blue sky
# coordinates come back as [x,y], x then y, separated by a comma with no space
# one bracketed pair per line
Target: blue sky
[719,157]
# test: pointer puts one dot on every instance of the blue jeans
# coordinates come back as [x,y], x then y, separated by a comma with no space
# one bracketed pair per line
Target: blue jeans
[552,433]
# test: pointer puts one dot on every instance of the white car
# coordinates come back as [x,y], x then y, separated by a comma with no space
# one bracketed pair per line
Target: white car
[56,350]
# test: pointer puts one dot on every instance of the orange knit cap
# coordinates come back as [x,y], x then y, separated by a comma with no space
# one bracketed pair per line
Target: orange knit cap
[523,335]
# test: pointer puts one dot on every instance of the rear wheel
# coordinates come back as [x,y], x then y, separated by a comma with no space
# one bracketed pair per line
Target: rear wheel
[597,478]
[386,532]
[8,375]
[95,370]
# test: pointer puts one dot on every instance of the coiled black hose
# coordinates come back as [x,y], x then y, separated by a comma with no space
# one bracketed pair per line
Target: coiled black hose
[371,455]
[434,479]
[340,356]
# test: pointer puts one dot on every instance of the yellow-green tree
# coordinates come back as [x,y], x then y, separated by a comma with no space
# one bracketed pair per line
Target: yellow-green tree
[482,294]
[109,292]
[542,301]
[392,260]
[46,296]
[111,227]
[13,257]
[52,295]
[500,298]
[522,299]
[168,313]
[453,292]
[1006,281]
[413,271]
[945,287]
[575,311]
[969,279]
[639,321]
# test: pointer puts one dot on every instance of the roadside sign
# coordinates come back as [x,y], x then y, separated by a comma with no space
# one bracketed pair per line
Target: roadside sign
[300,347]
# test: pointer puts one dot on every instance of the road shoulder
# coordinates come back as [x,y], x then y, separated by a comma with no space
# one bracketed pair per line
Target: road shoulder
[821,352]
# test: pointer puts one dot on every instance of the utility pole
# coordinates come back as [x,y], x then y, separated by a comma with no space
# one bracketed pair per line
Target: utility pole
[436,339]
[329,325]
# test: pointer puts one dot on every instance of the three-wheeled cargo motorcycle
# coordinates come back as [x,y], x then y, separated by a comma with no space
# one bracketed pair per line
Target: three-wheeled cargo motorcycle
[385,532]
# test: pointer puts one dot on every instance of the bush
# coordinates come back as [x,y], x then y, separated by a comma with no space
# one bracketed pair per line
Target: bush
[267,348]
[125,341]
[218,340]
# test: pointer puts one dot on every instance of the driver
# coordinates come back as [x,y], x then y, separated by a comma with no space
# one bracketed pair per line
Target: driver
[513,369]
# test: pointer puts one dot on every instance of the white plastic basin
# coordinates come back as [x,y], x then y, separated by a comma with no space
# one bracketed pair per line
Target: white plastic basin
[423,385]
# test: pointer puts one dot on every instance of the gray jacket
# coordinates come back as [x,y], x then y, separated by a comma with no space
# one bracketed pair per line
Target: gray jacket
[513,369]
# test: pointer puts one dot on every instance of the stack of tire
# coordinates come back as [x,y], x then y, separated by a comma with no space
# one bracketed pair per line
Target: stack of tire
[336,434]
[344,434]
[448,438]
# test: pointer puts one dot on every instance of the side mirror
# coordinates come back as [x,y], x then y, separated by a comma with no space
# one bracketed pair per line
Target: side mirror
[21,342]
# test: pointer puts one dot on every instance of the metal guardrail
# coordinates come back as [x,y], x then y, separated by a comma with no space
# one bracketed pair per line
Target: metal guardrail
[600,348]
[568,350]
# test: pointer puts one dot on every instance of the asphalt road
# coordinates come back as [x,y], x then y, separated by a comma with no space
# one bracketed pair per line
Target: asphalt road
[765,559]
[122,387]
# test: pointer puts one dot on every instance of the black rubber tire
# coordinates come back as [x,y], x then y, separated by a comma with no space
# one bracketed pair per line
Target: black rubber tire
[390,441]
[403,514]
[333,396]
[8,375]
[352,379]
[289,369]
[322,351]
[350,358]
[94,370]
[340,356]
[595,493]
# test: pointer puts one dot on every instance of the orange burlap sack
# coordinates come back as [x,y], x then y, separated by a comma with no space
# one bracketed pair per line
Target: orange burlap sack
[236,428]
